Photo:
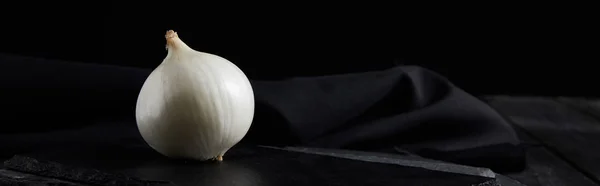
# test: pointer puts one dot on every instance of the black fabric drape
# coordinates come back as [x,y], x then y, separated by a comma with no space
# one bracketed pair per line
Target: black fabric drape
[398,110]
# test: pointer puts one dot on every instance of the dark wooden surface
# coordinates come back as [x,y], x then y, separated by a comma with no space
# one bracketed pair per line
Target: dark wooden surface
[562,136]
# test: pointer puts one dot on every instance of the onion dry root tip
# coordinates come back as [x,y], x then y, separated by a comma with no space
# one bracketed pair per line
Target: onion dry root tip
[219,158]
[171,34]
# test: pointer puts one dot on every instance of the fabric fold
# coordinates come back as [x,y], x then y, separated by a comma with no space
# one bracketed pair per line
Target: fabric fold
[405,107]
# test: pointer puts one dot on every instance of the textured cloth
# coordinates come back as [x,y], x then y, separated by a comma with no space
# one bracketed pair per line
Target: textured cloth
[405,109]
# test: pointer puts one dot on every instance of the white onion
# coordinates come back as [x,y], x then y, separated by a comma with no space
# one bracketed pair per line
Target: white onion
[194,105]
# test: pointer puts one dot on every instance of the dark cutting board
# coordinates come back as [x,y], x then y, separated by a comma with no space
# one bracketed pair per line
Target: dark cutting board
[241,166]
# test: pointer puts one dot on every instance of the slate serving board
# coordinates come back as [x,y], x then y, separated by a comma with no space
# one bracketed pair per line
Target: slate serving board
[138,165]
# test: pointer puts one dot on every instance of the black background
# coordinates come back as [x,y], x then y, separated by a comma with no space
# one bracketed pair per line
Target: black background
[520,49]
[537,49]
